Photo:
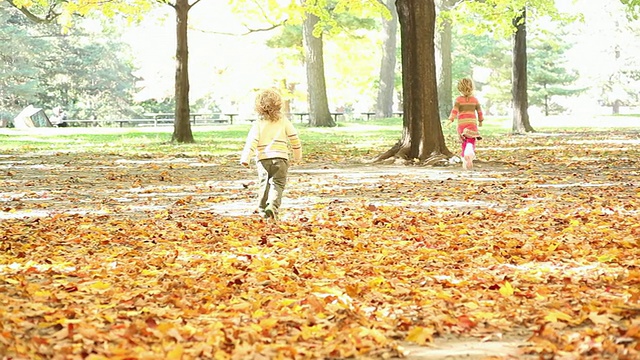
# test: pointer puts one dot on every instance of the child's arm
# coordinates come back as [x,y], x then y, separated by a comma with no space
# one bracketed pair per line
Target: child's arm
[454,111]
[250,146]
[480,114]
[294,141]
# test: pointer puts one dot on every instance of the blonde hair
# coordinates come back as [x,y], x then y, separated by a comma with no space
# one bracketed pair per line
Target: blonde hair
[465,86]
[269,104]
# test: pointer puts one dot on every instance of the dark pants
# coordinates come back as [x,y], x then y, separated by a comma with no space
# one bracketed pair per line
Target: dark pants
[272,175]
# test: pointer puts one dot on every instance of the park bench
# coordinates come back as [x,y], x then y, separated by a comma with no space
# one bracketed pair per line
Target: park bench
[368,114]
[160,119]
[303,114]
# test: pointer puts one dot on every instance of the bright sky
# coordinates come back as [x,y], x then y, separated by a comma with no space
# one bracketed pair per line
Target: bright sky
[215,59]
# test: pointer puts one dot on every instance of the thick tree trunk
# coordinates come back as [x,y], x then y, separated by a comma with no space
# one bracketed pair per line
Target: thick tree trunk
[444,65]
[182,127]
[520,101]
[319,114]
[422,136]
[384,103]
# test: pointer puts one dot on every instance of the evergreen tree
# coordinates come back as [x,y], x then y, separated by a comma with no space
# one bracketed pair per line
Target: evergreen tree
[20,54]
[87,72]
[548,74]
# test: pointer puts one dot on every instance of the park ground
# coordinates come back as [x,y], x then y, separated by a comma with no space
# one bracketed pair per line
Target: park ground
[110,253]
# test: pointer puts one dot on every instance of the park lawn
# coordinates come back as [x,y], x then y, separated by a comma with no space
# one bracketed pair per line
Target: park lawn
[355,138]
[121,245]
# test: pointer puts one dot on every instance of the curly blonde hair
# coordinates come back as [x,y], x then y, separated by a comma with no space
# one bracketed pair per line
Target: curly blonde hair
[465,86]
[269,104]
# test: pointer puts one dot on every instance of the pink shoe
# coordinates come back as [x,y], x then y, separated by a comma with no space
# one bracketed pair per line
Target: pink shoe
[469,155]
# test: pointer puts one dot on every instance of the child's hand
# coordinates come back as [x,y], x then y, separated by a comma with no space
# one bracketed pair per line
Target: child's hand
[480,123]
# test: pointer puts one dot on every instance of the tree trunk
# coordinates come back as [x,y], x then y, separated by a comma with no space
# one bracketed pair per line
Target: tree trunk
[615,109]
[444,66]
[384,103]
[422,136]
[319,114]
[520,101]
[181,126]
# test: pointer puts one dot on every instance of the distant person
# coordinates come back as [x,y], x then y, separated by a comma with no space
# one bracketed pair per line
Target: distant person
[58,118]
[468,111]
[268,143]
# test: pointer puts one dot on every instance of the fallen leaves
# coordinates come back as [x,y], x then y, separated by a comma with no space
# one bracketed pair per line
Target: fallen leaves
[364,263]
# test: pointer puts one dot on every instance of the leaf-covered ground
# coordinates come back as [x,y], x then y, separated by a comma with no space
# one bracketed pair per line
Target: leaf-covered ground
[108,257]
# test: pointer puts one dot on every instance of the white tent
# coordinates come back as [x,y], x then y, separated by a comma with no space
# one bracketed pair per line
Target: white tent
[31,117]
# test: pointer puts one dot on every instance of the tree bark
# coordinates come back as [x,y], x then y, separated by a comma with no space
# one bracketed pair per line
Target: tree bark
[422,136]
[520,101]
[319,114]
[182,127]
[384,103]
[444,65]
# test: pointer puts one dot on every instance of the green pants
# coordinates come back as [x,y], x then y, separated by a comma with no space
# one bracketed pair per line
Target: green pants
[272,175]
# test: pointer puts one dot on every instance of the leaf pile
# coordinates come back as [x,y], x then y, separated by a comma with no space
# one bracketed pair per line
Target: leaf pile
[137,258]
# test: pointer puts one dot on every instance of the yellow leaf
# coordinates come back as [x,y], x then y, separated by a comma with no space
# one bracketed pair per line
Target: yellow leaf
[175,353]
[42,293]
[471,305]
[100,285]
[556,315]
[606,258]
[309,332]
[506,289]
[268,323]
[420,335]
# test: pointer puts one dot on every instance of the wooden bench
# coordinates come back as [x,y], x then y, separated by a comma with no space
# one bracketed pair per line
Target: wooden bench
[369,114]
[302,114]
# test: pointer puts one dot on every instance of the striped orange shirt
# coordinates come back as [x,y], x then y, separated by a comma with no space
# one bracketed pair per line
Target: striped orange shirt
[465,109]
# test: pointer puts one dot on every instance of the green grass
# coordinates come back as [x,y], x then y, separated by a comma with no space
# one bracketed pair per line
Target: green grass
[223,140]
[356,138]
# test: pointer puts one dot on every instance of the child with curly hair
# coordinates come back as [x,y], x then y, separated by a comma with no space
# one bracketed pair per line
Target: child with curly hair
[465,109]
[268,142]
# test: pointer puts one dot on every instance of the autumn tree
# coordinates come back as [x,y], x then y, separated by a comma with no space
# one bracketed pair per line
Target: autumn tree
[509,18]
[319,114]
[321,17]
[387,80]
[422,136]
[182,127]
[520,99]
[633,7]
[444,59]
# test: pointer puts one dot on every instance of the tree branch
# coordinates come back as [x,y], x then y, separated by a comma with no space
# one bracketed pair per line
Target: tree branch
[249,30]
[48,17]
[194,4]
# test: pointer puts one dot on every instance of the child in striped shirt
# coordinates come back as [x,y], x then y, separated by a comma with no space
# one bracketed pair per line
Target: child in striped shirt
[465,109]
[268,142]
